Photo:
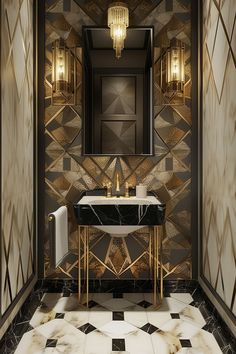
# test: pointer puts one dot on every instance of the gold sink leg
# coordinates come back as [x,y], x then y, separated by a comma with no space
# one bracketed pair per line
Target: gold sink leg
[83,234]
[79,264]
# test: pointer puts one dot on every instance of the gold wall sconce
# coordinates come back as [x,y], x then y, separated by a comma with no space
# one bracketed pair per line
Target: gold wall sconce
[118,21]
[63,74]
[172,73]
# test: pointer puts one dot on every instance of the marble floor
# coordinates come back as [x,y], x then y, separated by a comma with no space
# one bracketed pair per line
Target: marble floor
[124,323]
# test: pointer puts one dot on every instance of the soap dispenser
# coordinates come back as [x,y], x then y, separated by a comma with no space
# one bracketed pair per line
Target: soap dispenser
[141,190]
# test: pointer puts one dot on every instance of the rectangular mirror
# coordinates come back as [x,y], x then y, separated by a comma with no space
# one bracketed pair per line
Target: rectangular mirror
[117,93]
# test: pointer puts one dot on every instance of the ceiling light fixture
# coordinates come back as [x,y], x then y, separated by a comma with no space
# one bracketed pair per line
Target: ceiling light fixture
[118,21]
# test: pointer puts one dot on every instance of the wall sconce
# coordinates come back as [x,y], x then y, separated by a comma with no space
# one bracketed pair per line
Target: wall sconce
[63,74]
[172,73]
[118,21]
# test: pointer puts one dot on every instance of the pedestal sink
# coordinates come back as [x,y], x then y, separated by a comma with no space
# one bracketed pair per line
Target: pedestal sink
[119,216]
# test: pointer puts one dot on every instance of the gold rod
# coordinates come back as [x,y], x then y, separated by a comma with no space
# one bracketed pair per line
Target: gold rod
[161,268]
[87,266]
[150,253]
[79,265]
[154,267]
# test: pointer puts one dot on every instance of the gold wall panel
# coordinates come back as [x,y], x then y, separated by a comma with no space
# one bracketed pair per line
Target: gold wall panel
[168,172]
[17,150]
[219,147]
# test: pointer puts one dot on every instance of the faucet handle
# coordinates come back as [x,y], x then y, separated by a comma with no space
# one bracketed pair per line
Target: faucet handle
[108,186]
[127,186]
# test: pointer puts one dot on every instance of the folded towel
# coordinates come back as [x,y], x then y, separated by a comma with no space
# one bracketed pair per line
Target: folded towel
[58,227]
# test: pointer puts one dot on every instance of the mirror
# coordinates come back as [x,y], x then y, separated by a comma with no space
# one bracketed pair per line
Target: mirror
[117,93]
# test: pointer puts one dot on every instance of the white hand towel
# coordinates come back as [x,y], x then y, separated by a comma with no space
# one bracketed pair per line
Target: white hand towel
[59,235]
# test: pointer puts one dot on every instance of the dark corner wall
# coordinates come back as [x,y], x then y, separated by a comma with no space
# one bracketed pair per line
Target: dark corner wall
[218,243]
[17,244]
[168,172]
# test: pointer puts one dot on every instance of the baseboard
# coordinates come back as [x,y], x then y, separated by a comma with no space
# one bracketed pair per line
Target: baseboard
[223,311]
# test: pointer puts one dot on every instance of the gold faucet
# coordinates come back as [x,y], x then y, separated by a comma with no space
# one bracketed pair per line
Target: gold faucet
[127,190]
[108,186]
[117,183]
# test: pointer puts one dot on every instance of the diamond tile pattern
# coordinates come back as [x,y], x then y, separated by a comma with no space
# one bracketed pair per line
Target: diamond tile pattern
[114,336]
[219,146]
[168,173]
[17,149]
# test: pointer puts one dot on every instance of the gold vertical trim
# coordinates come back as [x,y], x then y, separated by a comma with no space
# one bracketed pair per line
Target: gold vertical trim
[79,265]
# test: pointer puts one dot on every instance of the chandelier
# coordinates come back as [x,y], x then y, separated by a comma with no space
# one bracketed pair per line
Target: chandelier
[118,21]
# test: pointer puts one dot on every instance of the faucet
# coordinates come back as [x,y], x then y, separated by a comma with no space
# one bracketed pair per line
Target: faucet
[117,183]
[108,186]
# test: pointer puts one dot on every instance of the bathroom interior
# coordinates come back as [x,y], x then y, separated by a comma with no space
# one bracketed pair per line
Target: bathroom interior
[118,170]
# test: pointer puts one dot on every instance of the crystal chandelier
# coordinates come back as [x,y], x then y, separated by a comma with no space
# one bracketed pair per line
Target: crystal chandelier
[118,21]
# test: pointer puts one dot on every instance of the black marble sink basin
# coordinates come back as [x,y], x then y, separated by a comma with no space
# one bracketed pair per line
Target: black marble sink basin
[99,210]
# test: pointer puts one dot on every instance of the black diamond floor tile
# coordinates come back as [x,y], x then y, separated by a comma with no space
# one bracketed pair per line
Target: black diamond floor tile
[87,328]
[117,295]
[118,345]
[60,315]
[144,304]
[185,343]
[51,343]
[91,304]
[149,328]
[175,316]
[118,316]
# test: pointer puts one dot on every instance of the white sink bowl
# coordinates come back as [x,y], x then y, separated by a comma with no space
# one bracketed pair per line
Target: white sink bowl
[118,230]
[96,200]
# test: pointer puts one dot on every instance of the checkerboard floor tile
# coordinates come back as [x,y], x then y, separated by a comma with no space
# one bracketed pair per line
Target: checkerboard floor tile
[117,323]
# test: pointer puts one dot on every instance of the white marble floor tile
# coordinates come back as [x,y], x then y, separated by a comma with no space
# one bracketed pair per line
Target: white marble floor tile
[118,329]
[180,328]
[32,342]
[165,343]
[205,342]
[192,314]
[183,297]
[99,318]
[97,342]
[118,304]
[77,318]
[101,297]
[51,299]
[41,316]
[134,297]
[201,340]
[61,304]
[136,318]
[69,339]
[163,314]
[139,343]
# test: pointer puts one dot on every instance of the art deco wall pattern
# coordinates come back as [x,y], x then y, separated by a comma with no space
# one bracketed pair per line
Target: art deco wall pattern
[219,146]
[17,150]
[168,172]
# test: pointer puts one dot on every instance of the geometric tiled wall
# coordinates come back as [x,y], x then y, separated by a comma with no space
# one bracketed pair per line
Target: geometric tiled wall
[168,172]
[219,148]
[17,148]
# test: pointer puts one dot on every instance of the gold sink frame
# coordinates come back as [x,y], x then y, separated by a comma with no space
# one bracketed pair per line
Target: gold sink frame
[155,262]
